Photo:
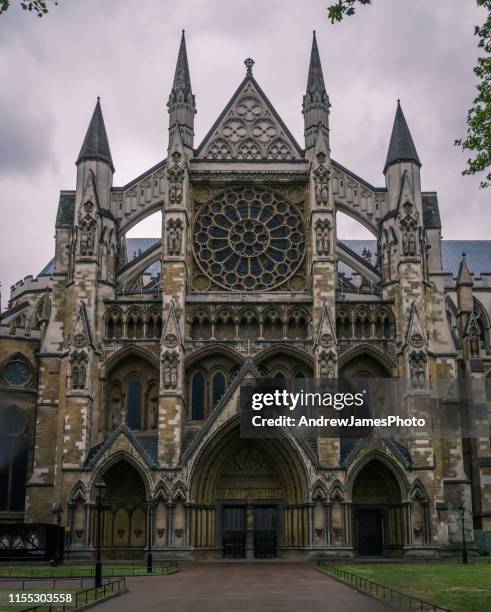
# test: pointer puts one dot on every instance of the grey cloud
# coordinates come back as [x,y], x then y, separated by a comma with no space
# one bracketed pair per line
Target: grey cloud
[420,51]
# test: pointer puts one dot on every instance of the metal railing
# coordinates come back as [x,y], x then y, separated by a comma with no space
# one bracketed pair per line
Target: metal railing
[83,598]
[67,571]
[396,599]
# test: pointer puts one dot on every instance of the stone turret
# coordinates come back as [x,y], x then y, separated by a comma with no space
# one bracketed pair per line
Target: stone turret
[402,158]
[95,156]
[316,104]
[181,104]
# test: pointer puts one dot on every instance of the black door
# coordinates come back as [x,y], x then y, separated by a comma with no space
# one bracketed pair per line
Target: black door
[234,535]
[265,531]
[369,526]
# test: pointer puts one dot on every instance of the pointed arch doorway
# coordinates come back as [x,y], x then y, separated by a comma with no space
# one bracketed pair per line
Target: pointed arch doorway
[380,517]
[250,499]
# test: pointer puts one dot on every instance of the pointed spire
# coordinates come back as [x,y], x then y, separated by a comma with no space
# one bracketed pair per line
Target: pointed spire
[96,144]
[401,146]
[315,81]
[181,104]
[182,80]
[464,277]
[316,104]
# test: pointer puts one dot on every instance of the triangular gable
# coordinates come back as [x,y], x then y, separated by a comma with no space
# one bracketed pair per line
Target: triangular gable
[89,195]
[171,334]
[121,439]
[249,129]
[406,198]
[415,335]
[81,335]
[326,336]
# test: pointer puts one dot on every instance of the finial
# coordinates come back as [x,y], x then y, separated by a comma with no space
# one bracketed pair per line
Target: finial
[98,98]
[249,63]
[463,254]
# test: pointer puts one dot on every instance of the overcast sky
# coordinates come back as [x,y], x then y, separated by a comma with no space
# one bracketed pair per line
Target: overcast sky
[52,69]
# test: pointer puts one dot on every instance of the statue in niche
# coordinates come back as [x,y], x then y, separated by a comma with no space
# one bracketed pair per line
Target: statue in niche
[170,375]
[327,365]
[87,239]
[175,176]
[154,413]
[322,237]
[116,416]
[321,178]
[409,228]
[79,371]
[474,336]
[174,237]
[417,363]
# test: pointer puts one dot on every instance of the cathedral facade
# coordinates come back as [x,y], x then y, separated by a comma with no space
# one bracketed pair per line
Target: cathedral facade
[123,359]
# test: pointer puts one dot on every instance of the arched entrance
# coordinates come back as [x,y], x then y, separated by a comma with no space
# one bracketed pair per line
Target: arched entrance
[380,518]
[250,498]
[125,513]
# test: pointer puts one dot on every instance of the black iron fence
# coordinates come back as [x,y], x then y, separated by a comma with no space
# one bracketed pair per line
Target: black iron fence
[83,598]
[74,571]
[396,599]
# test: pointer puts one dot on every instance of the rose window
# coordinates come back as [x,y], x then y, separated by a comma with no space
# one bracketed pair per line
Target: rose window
[249,239]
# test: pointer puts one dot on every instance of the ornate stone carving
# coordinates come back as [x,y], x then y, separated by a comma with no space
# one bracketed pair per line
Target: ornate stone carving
[323,237]
[79,340]
[409,229]
[175,176]
[417,366]
[170,370]
[327,364]
[174,236]
[321,182]
[79,370]
[87,230]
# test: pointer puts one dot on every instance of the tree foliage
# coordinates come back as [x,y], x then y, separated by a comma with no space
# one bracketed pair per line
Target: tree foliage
[478,139]
[37,7]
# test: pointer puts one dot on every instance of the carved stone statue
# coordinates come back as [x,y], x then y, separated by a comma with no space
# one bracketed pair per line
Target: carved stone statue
[323,237]
[409,228]
[115,415]
[154,413]
[174,237]
[79,370]
[87,239]
[170,371]
[175,176]
[417,364]
[321,179]
[327,365]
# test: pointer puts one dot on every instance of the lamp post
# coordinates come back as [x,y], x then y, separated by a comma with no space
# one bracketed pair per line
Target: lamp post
[464,546]
[100,486]
[150,532]
[56,509]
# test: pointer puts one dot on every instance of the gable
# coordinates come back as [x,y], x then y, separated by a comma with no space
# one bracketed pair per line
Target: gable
[249,129]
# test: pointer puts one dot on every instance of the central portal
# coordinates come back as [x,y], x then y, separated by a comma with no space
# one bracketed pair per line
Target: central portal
[249,500]
[250,530]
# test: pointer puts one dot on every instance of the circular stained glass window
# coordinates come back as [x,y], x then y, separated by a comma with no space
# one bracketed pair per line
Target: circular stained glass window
[249,239]
[17,373]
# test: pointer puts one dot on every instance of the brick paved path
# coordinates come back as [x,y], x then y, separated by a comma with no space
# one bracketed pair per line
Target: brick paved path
[233,587]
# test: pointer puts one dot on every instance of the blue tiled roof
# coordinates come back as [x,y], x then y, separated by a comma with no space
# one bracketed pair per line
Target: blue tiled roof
[478,255]
[134,247]
[151,445]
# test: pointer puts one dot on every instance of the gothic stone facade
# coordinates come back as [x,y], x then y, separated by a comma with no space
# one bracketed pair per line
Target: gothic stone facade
[109,372]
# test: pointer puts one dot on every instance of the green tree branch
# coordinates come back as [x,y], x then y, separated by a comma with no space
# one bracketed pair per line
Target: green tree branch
[478,139]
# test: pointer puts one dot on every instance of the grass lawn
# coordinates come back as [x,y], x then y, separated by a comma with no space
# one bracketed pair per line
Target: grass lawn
[462,588]
[63,571]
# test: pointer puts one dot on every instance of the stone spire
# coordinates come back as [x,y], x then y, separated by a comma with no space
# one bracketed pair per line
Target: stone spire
[401,147]
[316,101]
[96,144]
[464,276]
[181,104]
